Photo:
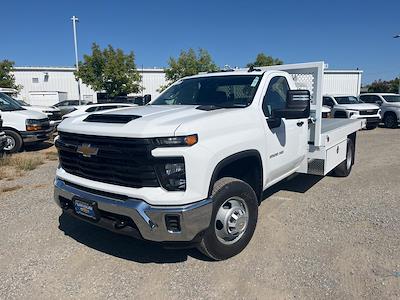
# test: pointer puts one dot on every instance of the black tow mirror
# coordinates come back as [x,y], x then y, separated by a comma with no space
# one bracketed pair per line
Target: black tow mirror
[146,99]
[297,105]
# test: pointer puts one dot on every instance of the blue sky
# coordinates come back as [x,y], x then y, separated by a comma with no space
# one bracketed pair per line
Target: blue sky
[345,34]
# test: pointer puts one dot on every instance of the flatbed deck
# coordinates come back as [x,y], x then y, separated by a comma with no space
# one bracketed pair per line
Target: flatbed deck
[336,130]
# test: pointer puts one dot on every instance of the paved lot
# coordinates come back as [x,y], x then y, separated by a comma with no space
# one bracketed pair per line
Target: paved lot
[316,238]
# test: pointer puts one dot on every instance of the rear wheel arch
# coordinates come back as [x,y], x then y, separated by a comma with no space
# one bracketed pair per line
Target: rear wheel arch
[231,166]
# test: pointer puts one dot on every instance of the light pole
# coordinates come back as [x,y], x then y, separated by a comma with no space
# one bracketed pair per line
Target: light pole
[74,20]
[396,37]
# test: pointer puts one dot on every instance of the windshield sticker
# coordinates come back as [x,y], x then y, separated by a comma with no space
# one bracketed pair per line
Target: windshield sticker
[255,81]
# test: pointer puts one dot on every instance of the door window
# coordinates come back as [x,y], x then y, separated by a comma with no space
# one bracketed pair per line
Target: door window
[327,101]
[275,97]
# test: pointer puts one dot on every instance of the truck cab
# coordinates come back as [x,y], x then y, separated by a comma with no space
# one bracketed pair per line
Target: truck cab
[191,166]
[22,126]
[389,104]
[350,107]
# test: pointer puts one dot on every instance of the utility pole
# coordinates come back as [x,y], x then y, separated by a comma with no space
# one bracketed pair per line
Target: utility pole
[396,37]
[74,21]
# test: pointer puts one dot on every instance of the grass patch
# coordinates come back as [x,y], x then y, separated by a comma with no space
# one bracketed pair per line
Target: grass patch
[16,165]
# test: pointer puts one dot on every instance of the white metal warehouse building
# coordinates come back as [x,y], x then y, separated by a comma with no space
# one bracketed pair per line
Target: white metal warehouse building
[49,85]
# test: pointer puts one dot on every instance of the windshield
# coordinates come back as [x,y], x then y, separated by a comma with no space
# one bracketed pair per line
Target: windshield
[22,102]
[8,104]
[392,98]
[221,91]
[347,100]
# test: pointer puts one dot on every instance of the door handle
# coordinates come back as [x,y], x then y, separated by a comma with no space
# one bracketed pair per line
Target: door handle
[300,123]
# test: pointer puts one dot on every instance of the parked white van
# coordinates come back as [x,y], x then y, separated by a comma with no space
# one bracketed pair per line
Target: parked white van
[22,126]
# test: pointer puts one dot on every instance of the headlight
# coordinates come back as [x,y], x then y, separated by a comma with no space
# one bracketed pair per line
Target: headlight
[172,175]
[33,125]
[176,141]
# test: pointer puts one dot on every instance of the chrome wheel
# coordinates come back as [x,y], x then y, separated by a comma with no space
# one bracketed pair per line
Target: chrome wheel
[10,143]
[231,220]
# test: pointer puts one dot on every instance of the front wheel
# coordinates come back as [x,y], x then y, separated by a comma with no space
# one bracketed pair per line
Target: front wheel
[390,120]
[13,142]
[234,219]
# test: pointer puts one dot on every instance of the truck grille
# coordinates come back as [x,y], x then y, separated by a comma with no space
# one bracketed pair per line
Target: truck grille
[55,116]
[121,161]
[368,112]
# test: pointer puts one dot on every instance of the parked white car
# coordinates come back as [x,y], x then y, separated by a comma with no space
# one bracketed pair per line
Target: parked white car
[22,126]
[350,107]
[389,105]
[191,166]
[91,108]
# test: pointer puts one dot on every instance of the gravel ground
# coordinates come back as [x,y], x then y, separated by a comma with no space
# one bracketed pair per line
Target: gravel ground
[329,238]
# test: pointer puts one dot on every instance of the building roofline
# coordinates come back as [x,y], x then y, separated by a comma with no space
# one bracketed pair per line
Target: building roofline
[49,68]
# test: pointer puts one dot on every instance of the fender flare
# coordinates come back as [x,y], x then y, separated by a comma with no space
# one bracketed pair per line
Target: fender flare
[232,158]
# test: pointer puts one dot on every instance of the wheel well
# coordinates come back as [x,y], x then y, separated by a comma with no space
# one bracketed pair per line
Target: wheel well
[246,166]
[11,129]
[389,113]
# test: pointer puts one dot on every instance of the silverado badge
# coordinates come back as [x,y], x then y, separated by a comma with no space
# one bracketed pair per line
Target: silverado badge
[87,150]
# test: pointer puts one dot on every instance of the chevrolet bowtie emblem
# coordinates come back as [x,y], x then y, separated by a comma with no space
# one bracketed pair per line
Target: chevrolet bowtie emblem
[87,150]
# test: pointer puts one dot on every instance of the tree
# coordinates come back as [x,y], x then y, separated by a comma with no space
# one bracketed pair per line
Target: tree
[384,86]
[110,70]
[188,63]
[7,78]
[263,60]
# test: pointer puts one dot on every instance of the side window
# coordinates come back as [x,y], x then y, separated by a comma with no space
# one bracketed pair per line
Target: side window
[327,101]
[91,109]
[276,94]
[376,99]
[106,107]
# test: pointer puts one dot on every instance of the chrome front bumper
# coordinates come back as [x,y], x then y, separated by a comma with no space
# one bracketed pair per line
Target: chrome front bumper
[149,220]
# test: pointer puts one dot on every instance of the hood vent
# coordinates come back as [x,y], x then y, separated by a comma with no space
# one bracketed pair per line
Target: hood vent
[110,118]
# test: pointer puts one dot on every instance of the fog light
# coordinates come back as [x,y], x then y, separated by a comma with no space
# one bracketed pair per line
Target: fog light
[174,168]
[173,223]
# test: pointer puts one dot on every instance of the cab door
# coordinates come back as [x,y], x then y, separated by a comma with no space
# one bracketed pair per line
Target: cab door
[286,139]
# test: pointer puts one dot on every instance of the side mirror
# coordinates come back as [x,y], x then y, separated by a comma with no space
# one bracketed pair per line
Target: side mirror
[297,105]
[146,99]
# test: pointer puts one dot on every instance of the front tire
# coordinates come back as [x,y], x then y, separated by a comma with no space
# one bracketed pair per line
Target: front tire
[390,120]
[344,169]
[233,221]
[14,142]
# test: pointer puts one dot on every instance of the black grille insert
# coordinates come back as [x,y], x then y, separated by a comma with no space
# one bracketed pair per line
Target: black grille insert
[368,112]
[121,161]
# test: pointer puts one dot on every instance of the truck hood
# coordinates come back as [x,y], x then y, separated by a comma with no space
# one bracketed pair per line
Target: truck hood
[27,114]
[360,106]
[152,121]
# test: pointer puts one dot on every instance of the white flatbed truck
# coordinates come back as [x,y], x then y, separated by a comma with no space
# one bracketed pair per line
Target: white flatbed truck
[191,166]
